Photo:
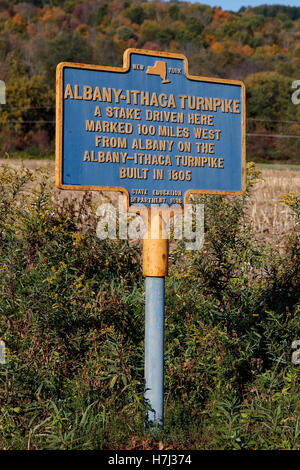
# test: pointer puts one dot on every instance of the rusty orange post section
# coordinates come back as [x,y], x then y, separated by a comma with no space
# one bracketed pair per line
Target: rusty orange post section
[155,245]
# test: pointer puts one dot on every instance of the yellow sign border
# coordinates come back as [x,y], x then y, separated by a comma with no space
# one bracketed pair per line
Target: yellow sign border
[125,68]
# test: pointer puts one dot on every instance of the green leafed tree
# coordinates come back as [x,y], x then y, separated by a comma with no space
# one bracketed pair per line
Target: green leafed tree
[67,47]
[269,97]
[136,13]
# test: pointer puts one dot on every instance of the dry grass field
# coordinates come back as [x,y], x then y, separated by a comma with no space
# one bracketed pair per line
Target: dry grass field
[272,218]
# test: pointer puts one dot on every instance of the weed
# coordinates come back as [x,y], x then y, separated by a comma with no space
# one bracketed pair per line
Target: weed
[72,319]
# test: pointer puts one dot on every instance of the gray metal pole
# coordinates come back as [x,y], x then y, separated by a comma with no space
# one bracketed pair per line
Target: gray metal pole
[154,349]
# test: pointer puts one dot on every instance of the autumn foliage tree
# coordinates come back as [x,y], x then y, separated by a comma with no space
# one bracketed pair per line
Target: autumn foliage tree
[258,45]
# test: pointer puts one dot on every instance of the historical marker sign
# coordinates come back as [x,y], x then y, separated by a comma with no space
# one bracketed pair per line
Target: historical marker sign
[149,129]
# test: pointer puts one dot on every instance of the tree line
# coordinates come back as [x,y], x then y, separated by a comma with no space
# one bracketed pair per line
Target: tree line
[260,46]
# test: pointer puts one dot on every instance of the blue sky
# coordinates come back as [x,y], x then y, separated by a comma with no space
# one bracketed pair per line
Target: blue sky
[235,5]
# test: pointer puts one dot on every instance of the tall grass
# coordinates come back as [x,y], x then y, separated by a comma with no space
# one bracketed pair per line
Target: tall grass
[270,217]
[72,318]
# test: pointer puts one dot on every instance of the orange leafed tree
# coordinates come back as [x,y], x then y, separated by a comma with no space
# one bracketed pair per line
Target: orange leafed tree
[221,15]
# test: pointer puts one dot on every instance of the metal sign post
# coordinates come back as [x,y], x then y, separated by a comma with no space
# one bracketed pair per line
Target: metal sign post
[155,268]
[157,134]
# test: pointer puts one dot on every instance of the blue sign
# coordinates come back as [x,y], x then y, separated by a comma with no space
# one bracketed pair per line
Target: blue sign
[149,129]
